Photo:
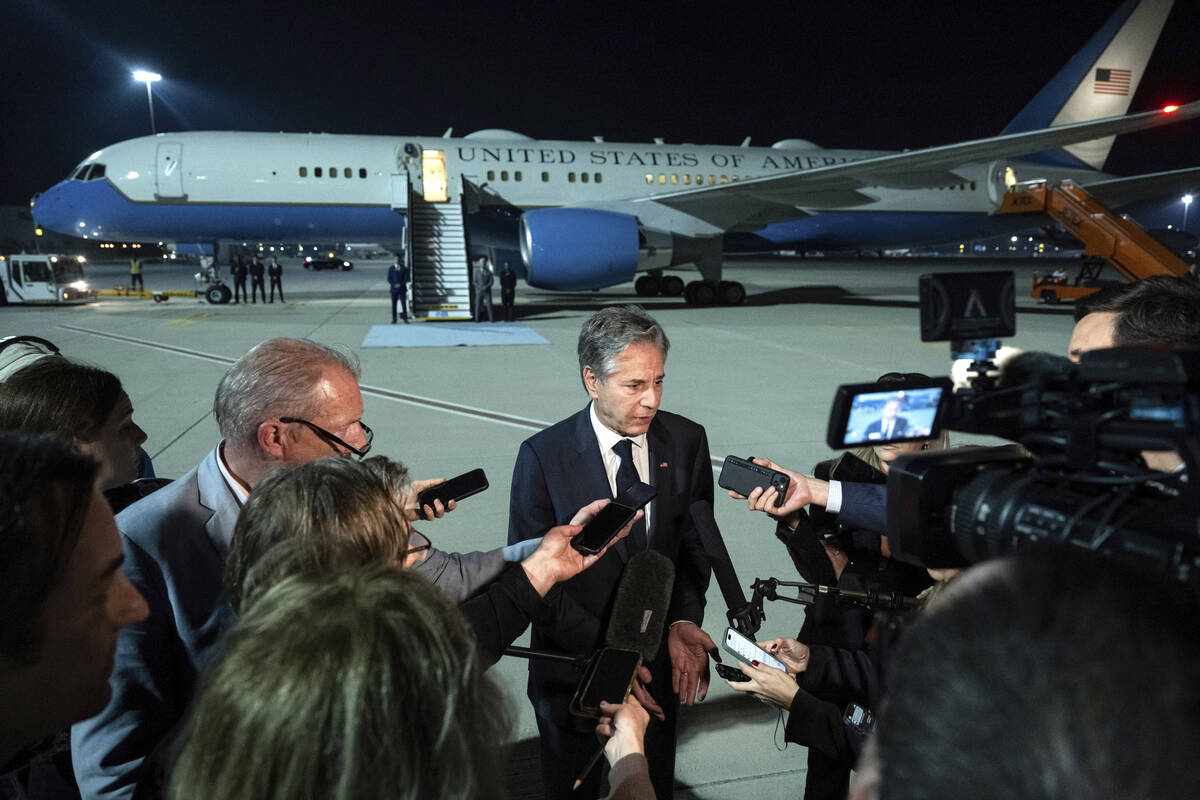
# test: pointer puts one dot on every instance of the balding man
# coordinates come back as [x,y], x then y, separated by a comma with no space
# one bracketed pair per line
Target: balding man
[285,402]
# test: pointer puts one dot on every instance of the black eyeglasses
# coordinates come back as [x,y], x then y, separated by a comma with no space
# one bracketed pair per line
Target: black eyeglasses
[334,441]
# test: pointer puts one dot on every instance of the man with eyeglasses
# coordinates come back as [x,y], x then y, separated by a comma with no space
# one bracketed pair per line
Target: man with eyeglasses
[285,402]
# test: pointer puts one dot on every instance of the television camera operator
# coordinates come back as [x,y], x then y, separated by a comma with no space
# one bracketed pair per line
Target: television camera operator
[1163,312]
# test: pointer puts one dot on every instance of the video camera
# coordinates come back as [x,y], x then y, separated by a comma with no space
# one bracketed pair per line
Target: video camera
[1076,477]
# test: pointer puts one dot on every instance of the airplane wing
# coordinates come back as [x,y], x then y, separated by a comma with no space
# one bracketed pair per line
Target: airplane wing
[1119,191]
[778,197]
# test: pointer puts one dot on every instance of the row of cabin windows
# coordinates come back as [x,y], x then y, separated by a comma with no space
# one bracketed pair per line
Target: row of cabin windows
[333,172]
[960,186]
[687,179]
[582,177]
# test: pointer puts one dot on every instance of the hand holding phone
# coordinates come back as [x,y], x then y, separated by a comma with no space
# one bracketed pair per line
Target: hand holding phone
[747,651]
[457,488]
[743,476]
[605,526]
[608,679]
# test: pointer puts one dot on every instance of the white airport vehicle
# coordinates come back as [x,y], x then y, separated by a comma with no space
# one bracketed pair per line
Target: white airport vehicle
[40,279]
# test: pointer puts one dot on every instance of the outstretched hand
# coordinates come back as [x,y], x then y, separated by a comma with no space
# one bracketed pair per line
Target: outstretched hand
[643,694]
[690,648]
[801,491]
[555,560]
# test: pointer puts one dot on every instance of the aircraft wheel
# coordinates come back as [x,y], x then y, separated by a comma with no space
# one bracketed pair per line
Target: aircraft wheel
[731,293]
[700,293]
[646,286]
[217,295]
[672,286]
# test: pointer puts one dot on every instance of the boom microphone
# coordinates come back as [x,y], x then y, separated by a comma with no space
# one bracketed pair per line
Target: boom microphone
[746,617]
[718,555]
[639,611]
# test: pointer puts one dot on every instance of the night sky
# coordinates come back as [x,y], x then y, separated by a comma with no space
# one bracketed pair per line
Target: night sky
[880,75]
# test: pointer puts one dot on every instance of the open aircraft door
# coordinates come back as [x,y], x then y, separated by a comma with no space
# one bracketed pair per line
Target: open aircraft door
[433,176]
[168,172]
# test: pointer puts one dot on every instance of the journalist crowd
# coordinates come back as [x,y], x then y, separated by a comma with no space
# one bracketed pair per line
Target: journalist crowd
[274,623]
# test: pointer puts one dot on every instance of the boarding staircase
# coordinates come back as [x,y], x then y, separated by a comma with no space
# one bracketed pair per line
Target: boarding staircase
[438,252]
[1107,237]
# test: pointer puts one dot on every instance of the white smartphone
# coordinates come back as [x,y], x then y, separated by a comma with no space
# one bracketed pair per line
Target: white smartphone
[748,651]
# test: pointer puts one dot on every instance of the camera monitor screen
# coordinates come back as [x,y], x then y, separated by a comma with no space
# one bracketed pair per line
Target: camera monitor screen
[878,413]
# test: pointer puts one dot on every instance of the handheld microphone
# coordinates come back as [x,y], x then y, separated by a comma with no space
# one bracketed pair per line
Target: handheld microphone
[639,611]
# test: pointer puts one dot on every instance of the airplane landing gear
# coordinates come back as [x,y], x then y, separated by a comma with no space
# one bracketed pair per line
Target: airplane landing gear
[652,285]
[706,293]
[646,286]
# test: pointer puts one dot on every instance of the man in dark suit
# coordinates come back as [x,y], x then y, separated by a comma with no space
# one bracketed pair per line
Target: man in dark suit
[256,280]
[891,425]
[398,276]
[622,352]
[238,270]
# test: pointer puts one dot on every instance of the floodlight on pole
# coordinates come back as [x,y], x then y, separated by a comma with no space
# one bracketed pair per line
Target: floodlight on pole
[1187,203]
[148,78]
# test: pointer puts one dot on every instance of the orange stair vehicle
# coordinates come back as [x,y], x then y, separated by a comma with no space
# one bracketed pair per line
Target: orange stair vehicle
[1107,238]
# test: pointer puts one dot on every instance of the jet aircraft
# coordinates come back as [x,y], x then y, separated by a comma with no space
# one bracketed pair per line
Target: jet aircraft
[586,215]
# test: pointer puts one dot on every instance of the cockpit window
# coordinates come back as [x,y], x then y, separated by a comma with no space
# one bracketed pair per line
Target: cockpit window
[87,172]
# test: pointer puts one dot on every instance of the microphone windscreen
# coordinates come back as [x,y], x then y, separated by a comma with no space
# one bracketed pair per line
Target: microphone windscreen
[718,555]
[639,611]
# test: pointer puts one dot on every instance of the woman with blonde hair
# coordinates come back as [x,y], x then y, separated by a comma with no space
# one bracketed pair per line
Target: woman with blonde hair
[359,684]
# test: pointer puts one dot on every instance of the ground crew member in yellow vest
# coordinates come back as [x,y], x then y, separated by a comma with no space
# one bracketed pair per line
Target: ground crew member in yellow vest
[135,274]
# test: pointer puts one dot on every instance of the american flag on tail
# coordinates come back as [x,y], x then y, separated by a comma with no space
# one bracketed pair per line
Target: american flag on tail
[1113,81]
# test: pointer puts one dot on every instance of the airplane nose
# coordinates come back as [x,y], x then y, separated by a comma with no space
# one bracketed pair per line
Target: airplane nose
[50,209]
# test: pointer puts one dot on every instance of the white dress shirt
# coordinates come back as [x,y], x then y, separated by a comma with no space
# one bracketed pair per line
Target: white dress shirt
[606,438]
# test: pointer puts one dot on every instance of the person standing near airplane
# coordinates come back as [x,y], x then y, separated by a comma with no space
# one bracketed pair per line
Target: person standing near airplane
[237,268]
[398,276]
[508,291]
[275,272]
[135,274]
[483,290]
[256,280]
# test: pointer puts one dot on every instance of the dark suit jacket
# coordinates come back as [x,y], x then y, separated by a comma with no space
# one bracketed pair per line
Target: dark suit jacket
[900,429]
[559,471]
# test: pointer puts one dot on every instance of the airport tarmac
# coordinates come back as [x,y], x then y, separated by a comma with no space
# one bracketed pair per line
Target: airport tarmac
[759,377]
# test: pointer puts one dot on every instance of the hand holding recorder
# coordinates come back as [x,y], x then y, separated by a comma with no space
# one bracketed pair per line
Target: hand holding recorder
[801,490]
[558,558]
[436,496]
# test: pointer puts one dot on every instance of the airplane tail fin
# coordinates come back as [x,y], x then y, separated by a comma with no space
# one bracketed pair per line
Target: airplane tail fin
[1099,81]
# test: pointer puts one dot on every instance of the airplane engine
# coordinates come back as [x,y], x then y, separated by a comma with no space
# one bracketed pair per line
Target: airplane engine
[578,248]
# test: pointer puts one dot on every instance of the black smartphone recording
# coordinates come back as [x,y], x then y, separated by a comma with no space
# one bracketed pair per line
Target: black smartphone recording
[608,679]
[603,527]
[743,476]
[732,673]
[456,488]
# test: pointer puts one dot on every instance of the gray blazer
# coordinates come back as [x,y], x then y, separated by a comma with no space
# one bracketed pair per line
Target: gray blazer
[175,542]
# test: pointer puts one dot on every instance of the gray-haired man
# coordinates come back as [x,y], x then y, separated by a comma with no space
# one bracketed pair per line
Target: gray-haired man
[285,402]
